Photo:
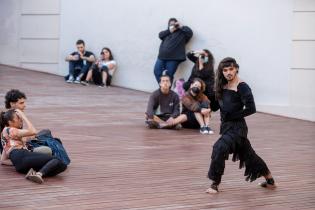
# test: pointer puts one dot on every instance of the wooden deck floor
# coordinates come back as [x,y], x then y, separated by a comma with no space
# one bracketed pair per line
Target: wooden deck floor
[119,164]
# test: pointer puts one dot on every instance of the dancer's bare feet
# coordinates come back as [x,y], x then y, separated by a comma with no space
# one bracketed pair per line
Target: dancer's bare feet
[269,183]
[266,185]
[213,189]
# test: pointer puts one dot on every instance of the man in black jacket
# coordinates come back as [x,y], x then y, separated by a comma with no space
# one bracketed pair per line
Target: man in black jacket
[172,48]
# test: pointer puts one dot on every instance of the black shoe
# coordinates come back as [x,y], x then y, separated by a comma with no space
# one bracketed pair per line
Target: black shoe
[101,85]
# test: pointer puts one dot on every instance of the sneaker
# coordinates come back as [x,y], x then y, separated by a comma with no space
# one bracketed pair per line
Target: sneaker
[203,130]
[101,85]
[209,130]
[77,80]
[85,83]
[70,80]
[152,124]
[34,177]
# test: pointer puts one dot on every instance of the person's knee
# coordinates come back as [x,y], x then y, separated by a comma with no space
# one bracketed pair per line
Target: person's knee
[220,150]
[60,164]
[21,168]
[182,118]
[62,167]
[206,114]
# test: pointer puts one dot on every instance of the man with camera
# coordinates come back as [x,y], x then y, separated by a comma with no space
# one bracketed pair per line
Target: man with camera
[172,48]
[79,63]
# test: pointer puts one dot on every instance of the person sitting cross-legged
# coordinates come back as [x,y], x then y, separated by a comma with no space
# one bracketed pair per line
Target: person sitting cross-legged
[163,107]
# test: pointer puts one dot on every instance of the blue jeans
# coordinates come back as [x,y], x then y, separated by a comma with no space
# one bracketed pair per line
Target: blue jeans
[77,68]
[161,65]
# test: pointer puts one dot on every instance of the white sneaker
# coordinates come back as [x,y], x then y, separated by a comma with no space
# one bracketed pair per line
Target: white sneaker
[203,130]
[70,80]
[77,80]
[209,130]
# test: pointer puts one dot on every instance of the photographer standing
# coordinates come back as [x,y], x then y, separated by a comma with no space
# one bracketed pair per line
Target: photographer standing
[172,48]
[203,69]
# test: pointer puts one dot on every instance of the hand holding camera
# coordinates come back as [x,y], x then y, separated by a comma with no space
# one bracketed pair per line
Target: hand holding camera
[75,57]
[174,27]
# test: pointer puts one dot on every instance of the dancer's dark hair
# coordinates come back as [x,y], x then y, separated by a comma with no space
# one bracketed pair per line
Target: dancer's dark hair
[220,80]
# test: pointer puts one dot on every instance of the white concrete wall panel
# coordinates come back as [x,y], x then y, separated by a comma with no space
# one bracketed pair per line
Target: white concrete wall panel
[304,5]
[247,30]
[301,88]
[45,27]
[9,28]
[39,51]
[303,54]
[304,25]
[40,6]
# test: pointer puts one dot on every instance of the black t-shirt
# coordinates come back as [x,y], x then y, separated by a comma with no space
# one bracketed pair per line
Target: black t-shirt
[86,54]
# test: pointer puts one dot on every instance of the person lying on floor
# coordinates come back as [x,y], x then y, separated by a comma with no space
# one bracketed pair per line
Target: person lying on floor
[15,99]
[36,165]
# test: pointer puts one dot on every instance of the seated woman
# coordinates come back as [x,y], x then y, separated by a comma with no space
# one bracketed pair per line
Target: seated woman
[196,111]
[203,69]
[36,165]
[196,108]
[102,71]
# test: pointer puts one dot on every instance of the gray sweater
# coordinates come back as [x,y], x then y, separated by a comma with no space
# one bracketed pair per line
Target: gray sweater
[167,103]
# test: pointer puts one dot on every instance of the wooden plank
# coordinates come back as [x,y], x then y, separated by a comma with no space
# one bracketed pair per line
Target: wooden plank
[117,163]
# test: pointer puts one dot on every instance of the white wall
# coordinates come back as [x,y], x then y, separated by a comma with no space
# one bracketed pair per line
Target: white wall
[273,41]
[9,31]
[245,29]
[302,72]
[30,34]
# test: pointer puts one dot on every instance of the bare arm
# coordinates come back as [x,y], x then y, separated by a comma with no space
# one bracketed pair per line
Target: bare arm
[30,131]
[70,58]
[91,58]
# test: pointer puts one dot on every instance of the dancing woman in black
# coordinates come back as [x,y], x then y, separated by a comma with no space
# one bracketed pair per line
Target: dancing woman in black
[235,101]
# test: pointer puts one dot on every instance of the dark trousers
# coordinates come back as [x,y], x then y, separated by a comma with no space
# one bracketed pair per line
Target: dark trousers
[161,65]
[234,141]
[23,160]
[98,75]
[78,68]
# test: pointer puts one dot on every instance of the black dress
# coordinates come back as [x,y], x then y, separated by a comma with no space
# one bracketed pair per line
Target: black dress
[234,106]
